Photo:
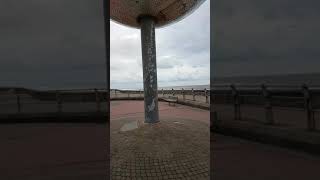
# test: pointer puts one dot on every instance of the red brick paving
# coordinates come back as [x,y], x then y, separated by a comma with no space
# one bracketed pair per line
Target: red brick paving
[121,109]
[76,156]
[234,158]
[175,148]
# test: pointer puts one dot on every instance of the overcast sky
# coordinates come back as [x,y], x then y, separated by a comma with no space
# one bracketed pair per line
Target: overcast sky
[183,52]
[60,44]
[52,44]
[265,37]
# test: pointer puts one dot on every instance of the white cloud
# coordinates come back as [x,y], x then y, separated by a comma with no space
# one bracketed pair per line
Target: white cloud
[183,52]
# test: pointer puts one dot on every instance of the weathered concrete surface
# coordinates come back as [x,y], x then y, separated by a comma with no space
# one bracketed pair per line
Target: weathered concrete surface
[53,151]
[235,159]
[177,147]
[149,63]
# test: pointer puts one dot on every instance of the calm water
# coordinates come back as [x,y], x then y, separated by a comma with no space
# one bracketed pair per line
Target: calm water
[312,80]
[293,79]
[195,87]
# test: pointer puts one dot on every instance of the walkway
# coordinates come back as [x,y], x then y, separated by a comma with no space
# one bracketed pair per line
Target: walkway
[175,148]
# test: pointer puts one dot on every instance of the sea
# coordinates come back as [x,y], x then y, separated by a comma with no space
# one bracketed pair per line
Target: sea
[189,87]
[311,79]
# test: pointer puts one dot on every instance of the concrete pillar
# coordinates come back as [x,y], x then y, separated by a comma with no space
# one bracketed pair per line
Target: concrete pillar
[149,69]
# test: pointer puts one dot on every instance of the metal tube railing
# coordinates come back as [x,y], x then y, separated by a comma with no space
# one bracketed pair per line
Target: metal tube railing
[50,101]
[267,97]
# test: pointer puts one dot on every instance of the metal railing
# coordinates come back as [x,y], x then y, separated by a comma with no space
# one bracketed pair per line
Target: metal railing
[268,98]
[201,96]
[21,101]
[303,98]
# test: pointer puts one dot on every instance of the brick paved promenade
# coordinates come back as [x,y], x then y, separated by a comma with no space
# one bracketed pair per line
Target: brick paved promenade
[232,157]
[175,148]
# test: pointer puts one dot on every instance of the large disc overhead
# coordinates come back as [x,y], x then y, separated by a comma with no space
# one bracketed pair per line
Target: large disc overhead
[165,12]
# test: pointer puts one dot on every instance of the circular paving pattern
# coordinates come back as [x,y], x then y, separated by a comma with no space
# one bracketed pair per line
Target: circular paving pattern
[171,149]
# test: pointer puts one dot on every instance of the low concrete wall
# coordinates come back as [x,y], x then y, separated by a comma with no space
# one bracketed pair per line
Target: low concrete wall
[299,139]
[187,103]
[19,105]
[85,117]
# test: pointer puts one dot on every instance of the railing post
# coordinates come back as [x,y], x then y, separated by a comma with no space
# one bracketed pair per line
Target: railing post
[183,94]
[18,103]
[308,107]
[193,95]
[59,101]
[172,92]
[236,101]
[97,100]
[206,94]
[268,106]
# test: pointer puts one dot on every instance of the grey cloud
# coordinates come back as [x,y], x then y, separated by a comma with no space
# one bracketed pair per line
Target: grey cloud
[180,46]
[164,66]
[280,35]
[42,41]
